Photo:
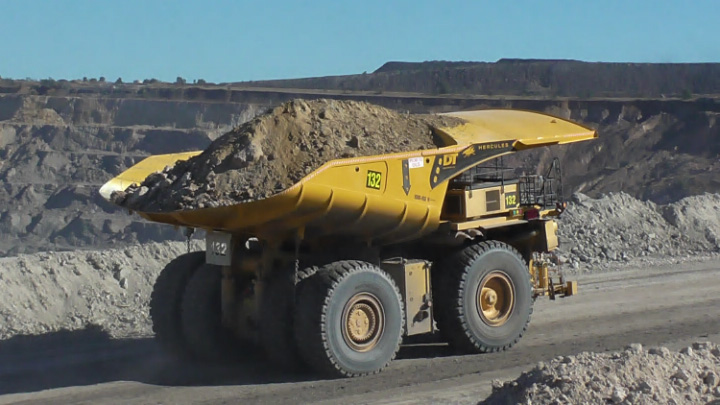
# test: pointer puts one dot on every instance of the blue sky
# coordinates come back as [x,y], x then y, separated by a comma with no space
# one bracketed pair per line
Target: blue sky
[252,40]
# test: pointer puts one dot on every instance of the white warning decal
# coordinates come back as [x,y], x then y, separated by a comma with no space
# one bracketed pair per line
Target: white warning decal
[415,162]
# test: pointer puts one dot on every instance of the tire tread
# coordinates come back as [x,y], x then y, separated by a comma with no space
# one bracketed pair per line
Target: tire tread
[316,295]
[166,301]
[450,309]
[277,323]
[202,318]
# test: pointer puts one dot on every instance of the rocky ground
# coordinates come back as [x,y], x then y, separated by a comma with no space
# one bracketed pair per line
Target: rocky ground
[275,150]
[634,376]
[51,291]
[619,228]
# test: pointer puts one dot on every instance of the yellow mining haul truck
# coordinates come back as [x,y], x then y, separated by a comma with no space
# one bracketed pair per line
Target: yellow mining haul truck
[334,271]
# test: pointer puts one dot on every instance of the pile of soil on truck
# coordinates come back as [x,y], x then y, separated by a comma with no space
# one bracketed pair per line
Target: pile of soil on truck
[275,150]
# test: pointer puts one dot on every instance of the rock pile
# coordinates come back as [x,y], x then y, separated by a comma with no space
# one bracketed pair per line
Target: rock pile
[633,376]
[619,228]
[47,292]
[698,217]
[275,150]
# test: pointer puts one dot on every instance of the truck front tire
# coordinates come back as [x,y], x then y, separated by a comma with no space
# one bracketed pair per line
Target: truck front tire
[483,297]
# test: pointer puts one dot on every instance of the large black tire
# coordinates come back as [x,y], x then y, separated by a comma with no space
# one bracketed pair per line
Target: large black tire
[323,314]
[206,337]
[277,309]
[459,298]
[166,300]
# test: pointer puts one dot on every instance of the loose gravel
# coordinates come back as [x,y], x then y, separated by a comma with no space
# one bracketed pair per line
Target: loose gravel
[616,228]
[634,376]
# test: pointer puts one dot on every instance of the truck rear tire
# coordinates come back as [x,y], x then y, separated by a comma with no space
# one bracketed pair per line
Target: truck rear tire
[206,337]
[349,319]
[483,297]
[166,301]
[277,311]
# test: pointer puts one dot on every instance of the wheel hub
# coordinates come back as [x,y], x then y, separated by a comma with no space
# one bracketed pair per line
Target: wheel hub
[363,320]
[495,298]
[490,296]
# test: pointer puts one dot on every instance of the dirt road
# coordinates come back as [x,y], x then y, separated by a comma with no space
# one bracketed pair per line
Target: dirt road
[672,306]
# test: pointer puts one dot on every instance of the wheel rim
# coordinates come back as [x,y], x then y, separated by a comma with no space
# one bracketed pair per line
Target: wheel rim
[363,322]
[495,298]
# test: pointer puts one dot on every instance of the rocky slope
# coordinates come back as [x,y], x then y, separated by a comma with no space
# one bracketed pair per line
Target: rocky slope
[525,77]
[56,152]
[651,150]
[507,77]
[619,228]
[634,376]
[110,289]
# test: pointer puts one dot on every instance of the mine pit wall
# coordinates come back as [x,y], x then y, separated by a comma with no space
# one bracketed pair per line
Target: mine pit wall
[129,112]
[55,152]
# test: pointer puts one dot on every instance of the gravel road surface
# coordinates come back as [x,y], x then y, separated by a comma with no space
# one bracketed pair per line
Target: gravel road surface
[670,305]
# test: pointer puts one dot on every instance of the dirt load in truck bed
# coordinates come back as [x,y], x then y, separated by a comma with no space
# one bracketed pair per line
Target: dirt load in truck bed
[275,150]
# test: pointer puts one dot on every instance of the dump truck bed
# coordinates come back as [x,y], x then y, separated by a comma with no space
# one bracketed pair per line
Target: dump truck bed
[382,199]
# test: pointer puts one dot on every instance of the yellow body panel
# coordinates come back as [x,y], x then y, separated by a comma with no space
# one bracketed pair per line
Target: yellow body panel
[472,203]
[413,279]
[335,199]
[387,198]
[528,128]
[140,171]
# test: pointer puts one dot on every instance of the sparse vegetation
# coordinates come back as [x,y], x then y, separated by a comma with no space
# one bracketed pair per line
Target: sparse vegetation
[49,82]
[510,77]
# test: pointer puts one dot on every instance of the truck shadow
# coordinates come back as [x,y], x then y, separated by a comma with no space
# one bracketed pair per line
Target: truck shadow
[30,363]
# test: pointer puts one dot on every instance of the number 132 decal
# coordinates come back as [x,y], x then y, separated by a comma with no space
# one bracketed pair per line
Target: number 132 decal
[511,200]
[374,180]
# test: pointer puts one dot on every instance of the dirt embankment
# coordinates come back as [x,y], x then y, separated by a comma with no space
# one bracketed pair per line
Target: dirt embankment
[47,292]
[275,150]
[634,376]
[525,77]
[508,77]
[619,228]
